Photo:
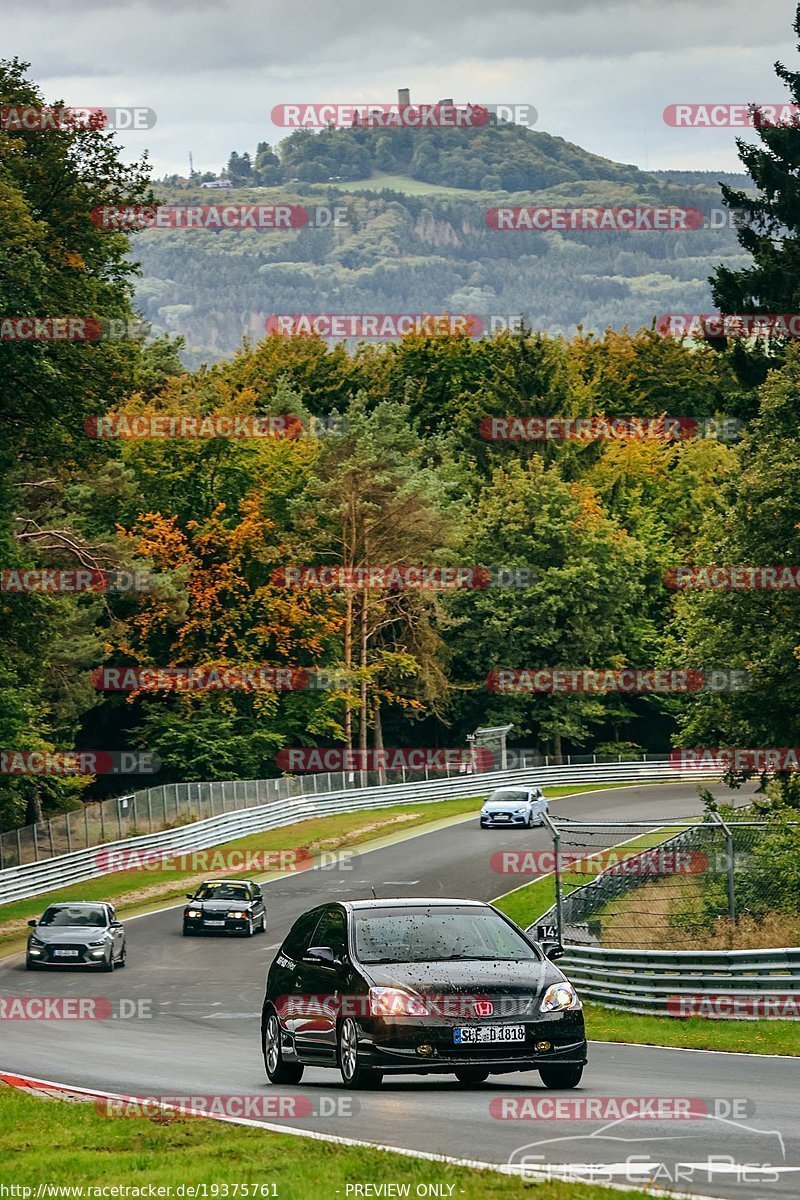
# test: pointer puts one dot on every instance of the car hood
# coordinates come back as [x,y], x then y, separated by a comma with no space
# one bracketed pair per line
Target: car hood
[69,933]
[494,978]
[218,906]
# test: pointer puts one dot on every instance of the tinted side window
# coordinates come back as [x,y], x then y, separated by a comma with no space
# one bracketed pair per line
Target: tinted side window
[298,937]
[331,931]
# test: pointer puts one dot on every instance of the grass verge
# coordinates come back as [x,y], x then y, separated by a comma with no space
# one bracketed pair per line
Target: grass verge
[692,1033]
[138,890]
[49,1141]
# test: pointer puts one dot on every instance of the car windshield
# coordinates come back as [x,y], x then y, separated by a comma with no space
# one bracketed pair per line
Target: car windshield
[224,891]
[436,935]
[507,796]
[72,915]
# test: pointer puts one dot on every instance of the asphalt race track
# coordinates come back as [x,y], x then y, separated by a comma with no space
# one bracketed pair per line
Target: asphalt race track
[203,1036]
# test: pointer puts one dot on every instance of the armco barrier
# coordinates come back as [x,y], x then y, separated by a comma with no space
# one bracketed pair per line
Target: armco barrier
[32,879]
[654,981]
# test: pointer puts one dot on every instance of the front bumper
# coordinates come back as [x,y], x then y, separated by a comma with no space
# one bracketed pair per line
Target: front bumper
[505,819]
[211,924]
[87,956]
[393,1046]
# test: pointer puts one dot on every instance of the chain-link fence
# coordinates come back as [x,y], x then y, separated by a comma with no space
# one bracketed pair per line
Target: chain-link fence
[174,804]
[708,884]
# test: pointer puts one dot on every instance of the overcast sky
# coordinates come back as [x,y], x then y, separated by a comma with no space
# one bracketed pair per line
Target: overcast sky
[599,72]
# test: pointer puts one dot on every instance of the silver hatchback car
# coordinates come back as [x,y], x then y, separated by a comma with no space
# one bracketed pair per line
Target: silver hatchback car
[514,806]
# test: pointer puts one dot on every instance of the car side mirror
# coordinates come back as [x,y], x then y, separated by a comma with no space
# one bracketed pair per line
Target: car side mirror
[322,954]
[32,924]
[189,896]
[553,950]
[116,924]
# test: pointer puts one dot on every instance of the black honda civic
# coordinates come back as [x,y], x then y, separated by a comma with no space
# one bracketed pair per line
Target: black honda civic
[418,986]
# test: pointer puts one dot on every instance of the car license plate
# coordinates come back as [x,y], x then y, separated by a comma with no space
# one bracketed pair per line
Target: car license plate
[213,922]
[66,953]
[470,1035]
[501,816]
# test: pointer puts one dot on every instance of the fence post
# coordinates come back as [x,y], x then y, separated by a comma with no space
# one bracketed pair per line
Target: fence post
[50,836]
[557,876]
[19,849]
[86,824]
[149,811]
[69,836]
[35,844]
[729,854]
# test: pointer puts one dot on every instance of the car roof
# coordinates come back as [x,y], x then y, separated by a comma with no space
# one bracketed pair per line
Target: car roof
[225,879]
[413,902]
[80,904]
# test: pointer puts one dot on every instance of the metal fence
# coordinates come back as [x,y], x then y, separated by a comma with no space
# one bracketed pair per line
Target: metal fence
[738,984]
[271,804]
[171,805]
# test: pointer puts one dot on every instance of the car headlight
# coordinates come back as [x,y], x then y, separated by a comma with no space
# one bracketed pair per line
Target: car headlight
[559,997]
[237,915]
[524,808]
[193,912]
[101,942]
[34,941]
[394,1002]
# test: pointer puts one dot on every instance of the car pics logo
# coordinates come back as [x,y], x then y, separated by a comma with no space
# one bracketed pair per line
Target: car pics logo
[782,326]
[759,761]
[75,580]
[628,679]
[396,1004]
[377,326]
[215,217]
[615,1108]
[418,758]
[656,862]
[71,329]
[73,1008]
[218,425]
[598,428]
[734,579]
[39,120]
[230,679]
[78,762]
[401,577]
[726,116]
[594,220]
[271,1107]
[774,1006]
[401,115]
[220,862]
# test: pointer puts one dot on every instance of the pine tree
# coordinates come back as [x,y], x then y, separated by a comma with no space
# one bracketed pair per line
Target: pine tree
[769,225]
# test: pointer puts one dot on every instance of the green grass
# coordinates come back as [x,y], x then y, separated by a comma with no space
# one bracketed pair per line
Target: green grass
[696,1033]
[137,891]
[50,1141]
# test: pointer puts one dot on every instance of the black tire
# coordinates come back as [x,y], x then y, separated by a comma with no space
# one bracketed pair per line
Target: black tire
[187,932]
[529,822]
[108,963]
[471,1076]
[263,928]
[353,1074]
[31,964]
[123,958]
[277,1070]
[566,1075]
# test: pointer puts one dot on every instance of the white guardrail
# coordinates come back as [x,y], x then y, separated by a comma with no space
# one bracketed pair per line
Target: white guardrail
[744,984]
[35,878]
